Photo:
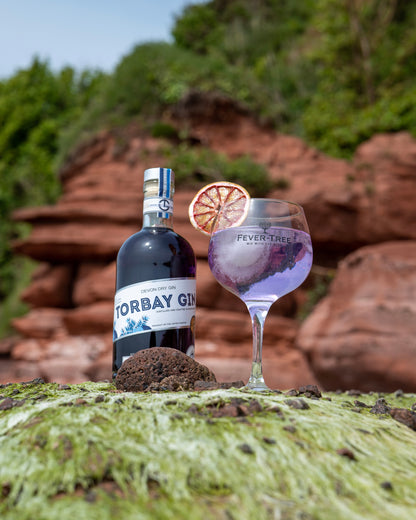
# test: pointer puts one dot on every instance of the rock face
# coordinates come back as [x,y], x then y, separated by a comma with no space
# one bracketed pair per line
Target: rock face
[348,203]
[66,336]
[362,335]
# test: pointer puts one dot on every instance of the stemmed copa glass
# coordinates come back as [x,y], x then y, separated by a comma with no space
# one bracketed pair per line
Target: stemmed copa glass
[266,257]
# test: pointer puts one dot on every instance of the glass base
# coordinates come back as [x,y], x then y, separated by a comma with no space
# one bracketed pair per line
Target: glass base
[256,386]
[256,382]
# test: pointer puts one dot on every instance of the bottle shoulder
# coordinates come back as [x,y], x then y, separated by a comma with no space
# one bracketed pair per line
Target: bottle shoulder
[152,236]
[154,254]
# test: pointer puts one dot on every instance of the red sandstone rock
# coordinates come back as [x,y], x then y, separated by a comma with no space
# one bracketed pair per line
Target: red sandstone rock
[68,359]
[96,318]
[385,167]
[76,348]
[50,287]
[59,370]
[7,345]
[30,350]
[348,204]
[362,335]
[234,328]
[72,241]
[100,369]
[40,323]
[23,371]
[208,290]
[288,370]
[94,283]
[63,358]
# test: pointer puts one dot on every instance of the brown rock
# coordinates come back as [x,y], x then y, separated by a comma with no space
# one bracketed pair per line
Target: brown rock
[362,335]
[24,371]
[72,241]
[40,323]
[62,370]
[101,368]
[50,287]
[82,350]
[172,383]
[207,288]
[94,283]
[153,365]
[121,209]
[7,344]
[281,371]
[348,204]
[235,328]
[68,359]
[404,416]
[29,349]
[96,318]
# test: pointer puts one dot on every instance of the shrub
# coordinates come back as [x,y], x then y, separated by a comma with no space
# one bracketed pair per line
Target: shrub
[198,165]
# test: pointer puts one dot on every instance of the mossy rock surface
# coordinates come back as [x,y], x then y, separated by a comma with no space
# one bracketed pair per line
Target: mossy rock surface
[90,452]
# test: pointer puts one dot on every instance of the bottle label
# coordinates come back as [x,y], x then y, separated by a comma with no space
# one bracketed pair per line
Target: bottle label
[162,206]
[154,305]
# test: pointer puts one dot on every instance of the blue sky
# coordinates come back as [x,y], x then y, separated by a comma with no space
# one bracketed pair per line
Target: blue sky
[80,33]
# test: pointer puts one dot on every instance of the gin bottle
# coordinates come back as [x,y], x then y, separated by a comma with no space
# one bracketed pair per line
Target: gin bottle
[154,304]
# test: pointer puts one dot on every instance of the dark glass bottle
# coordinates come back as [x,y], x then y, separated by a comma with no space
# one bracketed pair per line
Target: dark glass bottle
[155,284]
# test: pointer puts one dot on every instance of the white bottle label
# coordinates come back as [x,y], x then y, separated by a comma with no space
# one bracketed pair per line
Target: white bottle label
[161,205]
[154,305]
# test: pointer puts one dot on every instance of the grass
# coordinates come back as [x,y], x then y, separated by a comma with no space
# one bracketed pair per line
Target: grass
[87,451]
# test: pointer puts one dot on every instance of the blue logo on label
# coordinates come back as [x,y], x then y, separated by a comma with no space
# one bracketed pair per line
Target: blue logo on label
[135,326]
[164,205]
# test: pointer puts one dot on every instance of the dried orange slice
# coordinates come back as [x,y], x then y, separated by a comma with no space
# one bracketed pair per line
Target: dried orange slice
[218,206]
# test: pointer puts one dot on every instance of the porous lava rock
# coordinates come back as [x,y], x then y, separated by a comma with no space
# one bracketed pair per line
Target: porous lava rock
[160,368]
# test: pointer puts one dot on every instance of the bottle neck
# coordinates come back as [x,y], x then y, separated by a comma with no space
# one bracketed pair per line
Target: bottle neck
[154,220]
[157,206]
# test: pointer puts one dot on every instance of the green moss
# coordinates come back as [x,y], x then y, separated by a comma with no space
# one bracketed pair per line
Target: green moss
[87,451]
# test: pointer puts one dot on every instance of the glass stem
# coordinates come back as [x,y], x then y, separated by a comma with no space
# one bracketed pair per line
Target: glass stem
[258,317]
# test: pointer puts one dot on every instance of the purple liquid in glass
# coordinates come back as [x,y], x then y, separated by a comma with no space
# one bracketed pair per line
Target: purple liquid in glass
[260,264]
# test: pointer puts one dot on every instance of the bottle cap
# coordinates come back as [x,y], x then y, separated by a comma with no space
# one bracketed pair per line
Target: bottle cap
[153,174]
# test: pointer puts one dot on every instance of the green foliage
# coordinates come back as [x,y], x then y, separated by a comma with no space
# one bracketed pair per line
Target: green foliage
[332,71]
[164,130]
[35,104]
[366,58]
[195,165]
[12,307]
[152,78]
[263,38]
[243,30]
[197,28]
